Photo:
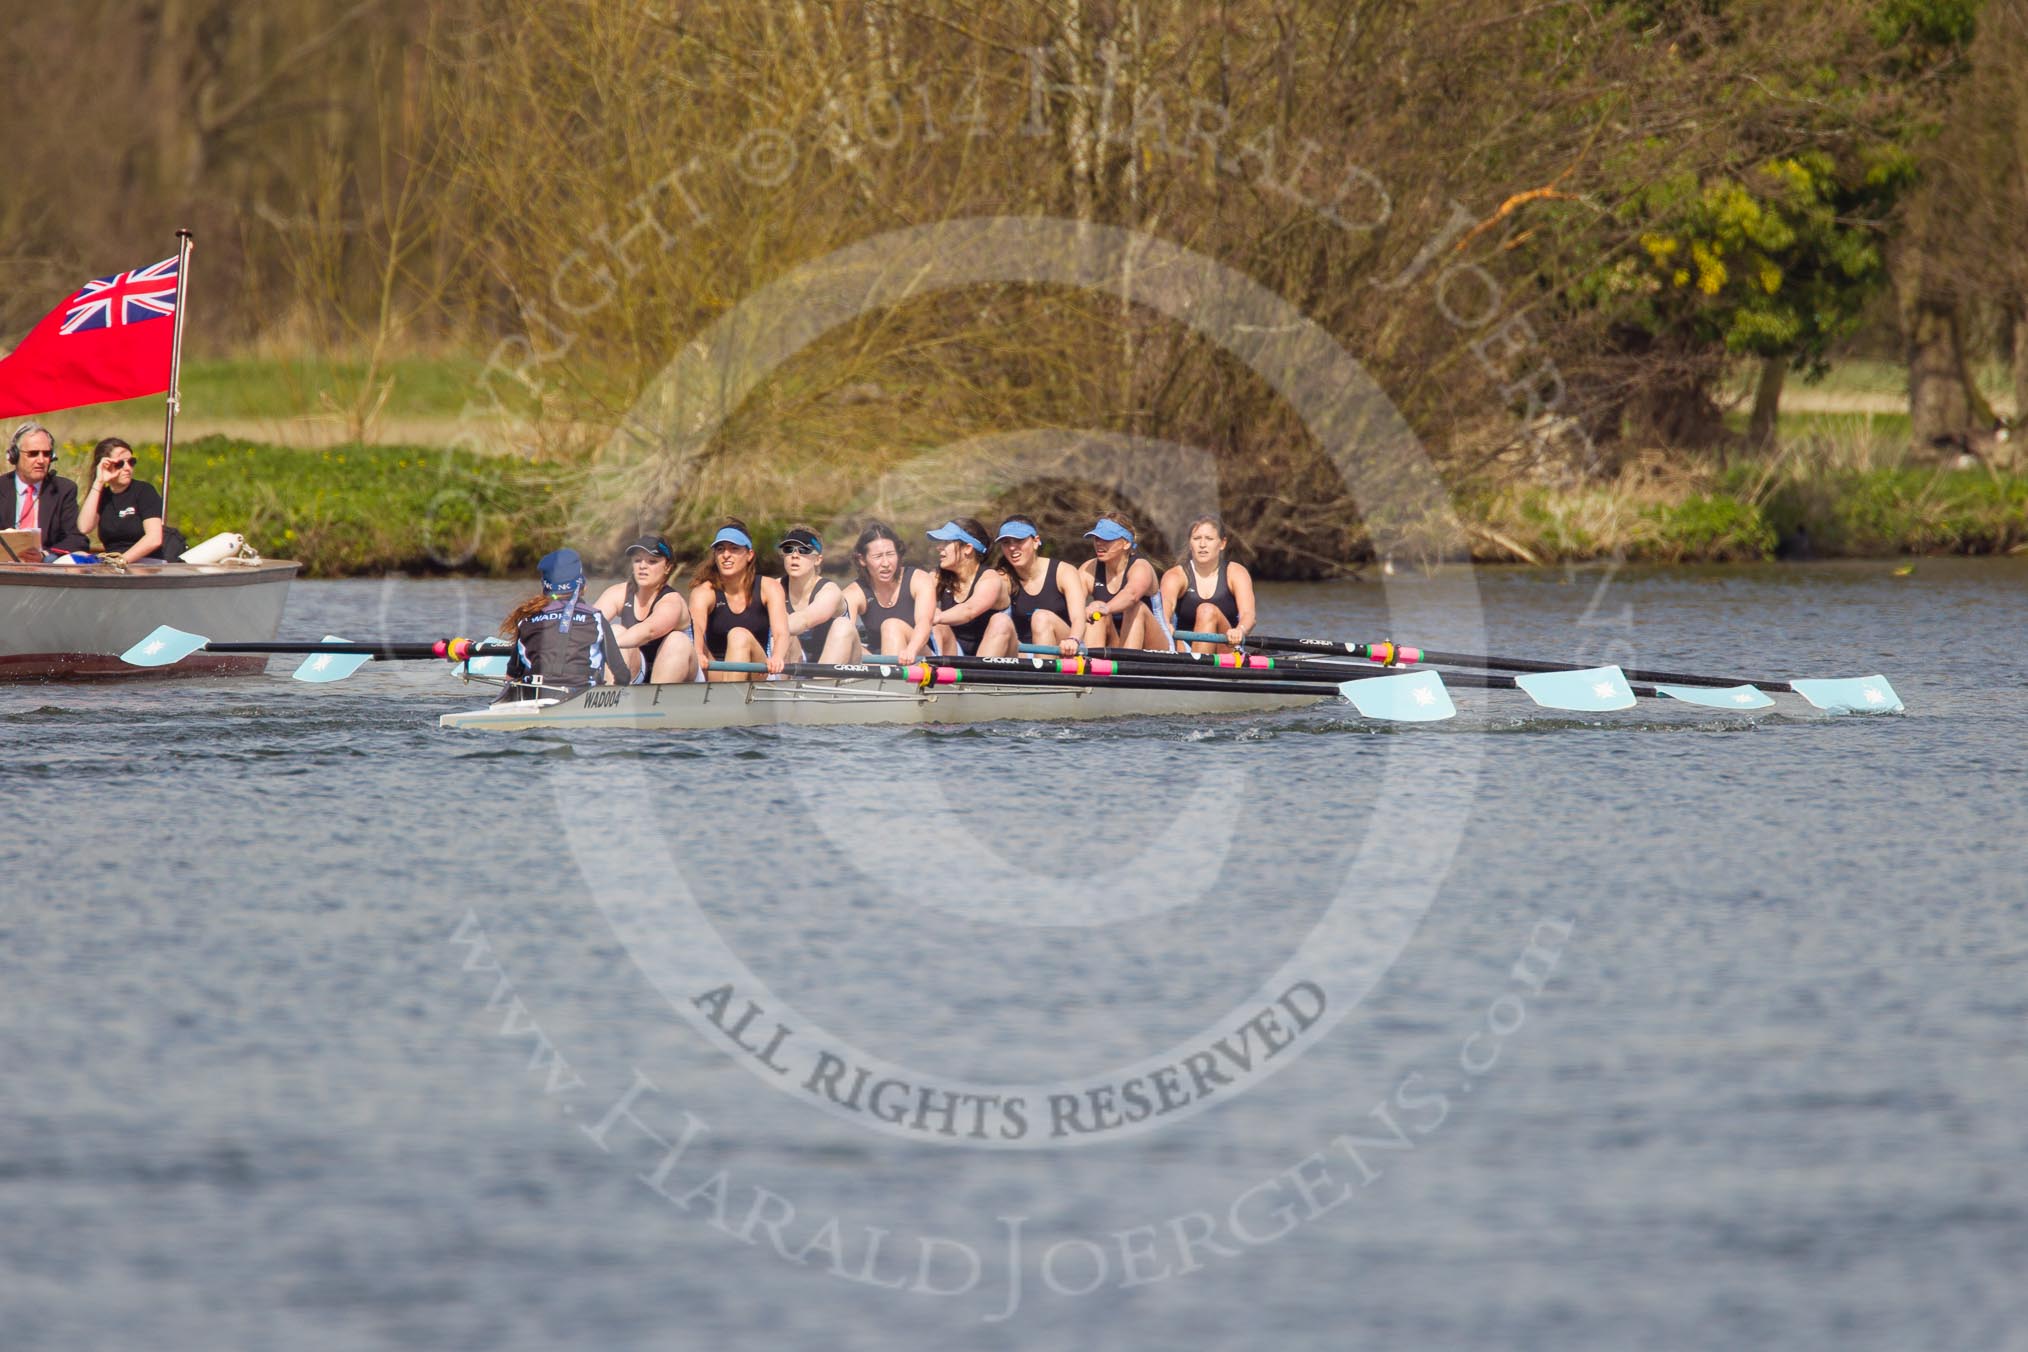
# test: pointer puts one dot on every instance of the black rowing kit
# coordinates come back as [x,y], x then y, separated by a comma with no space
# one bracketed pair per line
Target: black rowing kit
[724,619]
[1047,597]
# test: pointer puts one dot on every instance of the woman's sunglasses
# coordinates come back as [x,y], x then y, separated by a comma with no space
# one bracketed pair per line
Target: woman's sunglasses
[797,549]
[121,464]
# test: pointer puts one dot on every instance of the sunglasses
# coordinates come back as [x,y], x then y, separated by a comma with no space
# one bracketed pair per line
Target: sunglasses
[38,455]
[120,464]
[792,550]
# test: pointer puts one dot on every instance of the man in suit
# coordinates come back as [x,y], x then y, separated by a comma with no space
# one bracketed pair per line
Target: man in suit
[33,497]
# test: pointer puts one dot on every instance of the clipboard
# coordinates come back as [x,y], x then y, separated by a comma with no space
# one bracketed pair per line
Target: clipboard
[14,543]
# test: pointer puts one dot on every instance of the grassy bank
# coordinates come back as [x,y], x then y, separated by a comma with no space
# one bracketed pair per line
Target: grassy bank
[1842,485]
[359,509]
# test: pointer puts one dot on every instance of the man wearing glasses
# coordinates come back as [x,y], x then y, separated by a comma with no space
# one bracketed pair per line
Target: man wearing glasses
[33,497]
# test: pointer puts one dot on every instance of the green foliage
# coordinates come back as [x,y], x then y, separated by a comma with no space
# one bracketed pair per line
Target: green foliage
[360,509]
[1926,23]
[1710,527]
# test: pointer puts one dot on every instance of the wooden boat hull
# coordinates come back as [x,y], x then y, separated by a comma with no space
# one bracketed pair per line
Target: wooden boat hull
[69,623]
[805,703]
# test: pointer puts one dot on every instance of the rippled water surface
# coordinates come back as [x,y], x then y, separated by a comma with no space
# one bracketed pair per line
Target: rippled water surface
[323,1028]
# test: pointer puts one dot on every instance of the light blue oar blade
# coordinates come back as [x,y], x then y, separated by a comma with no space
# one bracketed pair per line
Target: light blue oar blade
[321,667]
[1718,697]
[1416,697]
[163,647]
[1850,694]
[495,667]
[1594,690]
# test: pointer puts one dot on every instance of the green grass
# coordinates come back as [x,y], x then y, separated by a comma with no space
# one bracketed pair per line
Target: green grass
[269,387]
[354,510]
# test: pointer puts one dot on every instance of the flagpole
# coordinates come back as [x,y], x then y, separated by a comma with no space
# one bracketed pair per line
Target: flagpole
[183,238]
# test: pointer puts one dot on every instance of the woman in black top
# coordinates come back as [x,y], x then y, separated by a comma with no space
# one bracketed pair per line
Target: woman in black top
[1208,592]
[890,601]
[1045,597]
[815,602]
[971,618]
[650,616]
[736,614]
[127,514]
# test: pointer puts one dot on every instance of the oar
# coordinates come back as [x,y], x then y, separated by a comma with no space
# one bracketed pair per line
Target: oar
[332,659]
[1416,697]
[1854,694]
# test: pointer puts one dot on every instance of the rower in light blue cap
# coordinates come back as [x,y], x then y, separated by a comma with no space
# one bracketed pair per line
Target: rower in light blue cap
[952,532]
[1018,529]
[732,535]
[1108,529]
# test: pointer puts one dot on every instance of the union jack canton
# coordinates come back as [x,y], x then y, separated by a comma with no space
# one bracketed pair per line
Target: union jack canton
[123,298]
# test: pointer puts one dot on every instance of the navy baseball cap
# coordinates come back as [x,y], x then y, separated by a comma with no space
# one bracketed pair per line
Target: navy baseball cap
[652,544]
[562,571]
[801,535]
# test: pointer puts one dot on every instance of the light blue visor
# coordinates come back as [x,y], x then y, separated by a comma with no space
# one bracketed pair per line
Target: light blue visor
[1019,530]
[952,531]
[1110,530]
[732,535]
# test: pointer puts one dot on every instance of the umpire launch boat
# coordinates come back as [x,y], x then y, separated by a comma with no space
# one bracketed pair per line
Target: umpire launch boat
[63,622]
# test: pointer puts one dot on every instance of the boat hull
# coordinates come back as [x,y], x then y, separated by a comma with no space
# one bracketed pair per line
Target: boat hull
[72,623]
[698,706]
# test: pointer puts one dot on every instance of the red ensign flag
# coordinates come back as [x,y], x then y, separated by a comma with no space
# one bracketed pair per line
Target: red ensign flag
[102,343]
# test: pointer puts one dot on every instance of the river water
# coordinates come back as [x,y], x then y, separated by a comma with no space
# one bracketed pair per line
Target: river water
[323,1028]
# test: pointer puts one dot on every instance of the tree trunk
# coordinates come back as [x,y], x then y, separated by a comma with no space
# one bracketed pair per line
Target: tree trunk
[1767,403]
[2020,318]
[1939,406]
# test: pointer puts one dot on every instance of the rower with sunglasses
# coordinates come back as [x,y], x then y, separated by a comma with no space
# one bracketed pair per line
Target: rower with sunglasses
[815,602]
[125,511]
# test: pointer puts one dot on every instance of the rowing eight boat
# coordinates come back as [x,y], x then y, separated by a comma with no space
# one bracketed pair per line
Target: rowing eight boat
[819,702]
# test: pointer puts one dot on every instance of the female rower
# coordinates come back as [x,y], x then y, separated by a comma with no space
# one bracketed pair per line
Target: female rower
[1045,597]
[891,601]
[814,601]
[736,613]
[1208,592]
[970,620]
[561,643]
[1125,590]
[650,617]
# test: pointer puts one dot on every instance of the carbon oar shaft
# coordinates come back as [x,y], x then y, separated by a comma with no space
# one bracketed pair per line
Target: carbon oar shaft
[389,652]
[1407,655]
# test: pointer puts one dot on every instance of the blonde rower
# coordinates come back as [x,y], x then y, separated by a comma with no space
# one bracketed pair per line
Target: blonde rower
[650,617]
[815,602]
[971,618]
[890,604]
[1208,592]
[1125,590]
[736,613]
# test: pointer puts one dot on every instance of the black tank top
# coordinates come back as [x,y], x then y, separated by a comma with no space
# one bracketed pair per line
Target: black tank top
[1221,596]
[1047,597]
[971,631]
[724,619]
[631,615]
[813,640]
[1100,589]
[875,615]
